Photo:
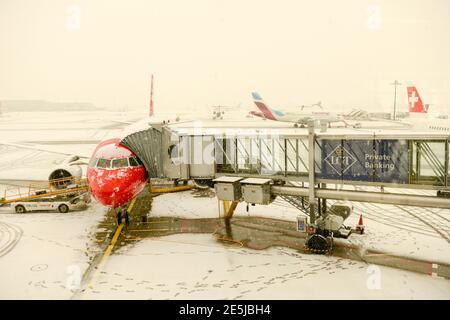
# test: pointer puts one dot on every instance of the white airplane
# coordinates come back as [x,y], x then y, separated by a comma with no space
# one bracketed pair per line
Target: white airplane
[419,117]
[299,119]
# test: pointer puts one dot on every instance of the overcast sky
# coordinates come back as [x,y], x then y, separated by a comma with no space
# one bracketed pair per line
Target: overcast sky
[208,52]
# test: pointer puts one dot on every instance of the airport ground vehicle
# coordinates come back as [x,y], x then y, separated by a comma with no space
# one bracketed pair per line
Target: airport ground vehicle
[59,204]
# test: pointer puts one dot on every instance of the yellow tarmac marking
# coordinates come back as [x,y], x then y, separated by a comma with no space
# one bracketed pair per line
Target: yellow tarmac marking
[110,247]
[112,244]
[171,189]
[231,240]
[376,255]
[178,242]
[149,230]
[130,207]
[155,222]
[106,254]
[134,239]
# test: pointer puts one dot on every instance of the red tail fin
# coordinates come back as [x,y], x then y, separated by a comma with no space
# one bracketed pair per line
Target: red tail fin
[414,101]
[151,100]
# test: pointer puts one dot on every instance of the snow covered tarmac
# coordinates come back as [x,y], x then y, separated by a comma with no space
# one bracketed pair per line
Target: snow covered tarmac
[55,248]
[388,228]
[198,267]
[50,252]
[9,236]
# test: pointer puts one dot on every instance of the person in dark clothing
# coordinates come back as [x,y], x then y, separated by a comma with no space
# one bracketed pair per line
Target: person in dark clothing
[127,219]
[119,216]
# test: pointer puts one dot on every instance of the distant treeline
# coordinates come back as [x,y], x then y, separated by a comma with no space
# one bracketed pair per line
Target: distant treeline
[42,105]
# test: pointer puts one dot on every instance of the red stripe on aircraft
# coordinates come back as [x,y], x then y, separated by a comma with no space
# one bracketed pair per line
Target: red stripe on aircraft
[261,106]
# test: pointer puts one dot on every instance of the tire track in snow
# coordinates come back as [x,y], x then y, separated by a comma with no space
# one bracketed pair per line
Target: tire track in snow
[429,218]
[376,213]
[9,236]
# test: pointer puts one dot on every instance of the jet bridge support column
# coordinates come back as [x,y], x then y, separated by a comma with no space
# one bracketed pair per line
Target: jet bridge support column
[311,168]
[322,201]
[229,209]
[446,164]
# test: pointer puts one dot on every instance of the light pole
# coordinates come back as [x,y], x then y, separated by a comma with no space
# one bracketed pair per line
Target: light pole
[395,84]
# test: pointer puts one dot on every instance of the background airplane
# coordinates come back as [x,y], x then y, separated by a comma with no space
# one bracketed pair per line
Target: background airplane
[317,104]
[301,118]
[419,117]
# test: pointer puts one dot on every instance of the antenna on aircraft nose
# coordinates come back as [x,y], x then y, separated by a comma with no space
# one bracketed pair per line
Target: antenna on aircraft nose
[150,113]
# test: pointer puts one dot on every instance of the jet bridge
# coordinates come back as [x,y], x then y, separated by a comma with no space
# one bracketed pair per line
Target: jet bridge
[256,164]
[345,158]
[379,158]
[146,145]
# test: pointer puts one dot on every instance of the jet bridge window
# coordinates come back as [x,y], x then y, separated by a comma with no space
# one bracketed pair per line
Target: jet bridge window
[120,163]
[104,163]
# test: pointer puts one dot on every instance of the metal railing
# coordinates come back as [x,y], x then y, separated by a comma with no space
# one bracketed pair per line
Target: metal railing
[44,189]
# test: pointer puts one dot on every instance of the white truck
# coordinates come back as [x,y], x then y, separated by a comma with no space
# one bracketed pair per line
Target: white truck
[62,205]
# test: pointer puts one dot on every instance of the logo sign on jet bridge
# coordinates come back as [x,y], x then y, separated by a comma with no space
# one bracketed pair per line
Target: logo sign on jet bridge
[364,160]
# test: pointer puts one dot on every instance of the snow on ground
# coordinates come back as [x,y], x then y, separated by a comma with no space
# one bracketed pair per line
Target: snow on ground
[388,228]
[51,252]
[198,267]
[53,247]
[26,164]
[68,132]
[82,150]
[63,121]
[18,158]
[186,205]
[401,234]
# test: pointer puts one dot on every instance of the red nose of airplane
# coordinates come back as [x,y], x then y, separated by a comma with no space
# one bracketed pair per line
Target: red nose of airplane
[115,175]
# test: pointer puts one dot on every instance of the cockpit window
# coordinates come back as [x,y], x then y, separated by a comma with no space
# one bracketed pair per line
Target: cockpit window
[120,163]
[104,163]
[133,162]
[117,163]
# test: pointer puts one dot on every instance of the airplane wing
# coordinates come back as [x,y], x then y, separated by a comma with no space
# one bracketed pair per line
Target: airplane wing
[304,119]
[396,123]
[20,168]
[83,155]
[123,122]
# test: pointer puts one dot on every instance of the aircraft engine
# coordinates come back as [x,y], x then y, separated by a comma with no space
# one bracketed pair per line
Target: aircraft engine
[70,167]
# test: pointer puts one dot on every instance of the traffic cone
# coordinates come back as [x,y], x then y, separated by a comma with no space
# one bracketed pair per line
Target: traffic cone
[360,226]
[360,223]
